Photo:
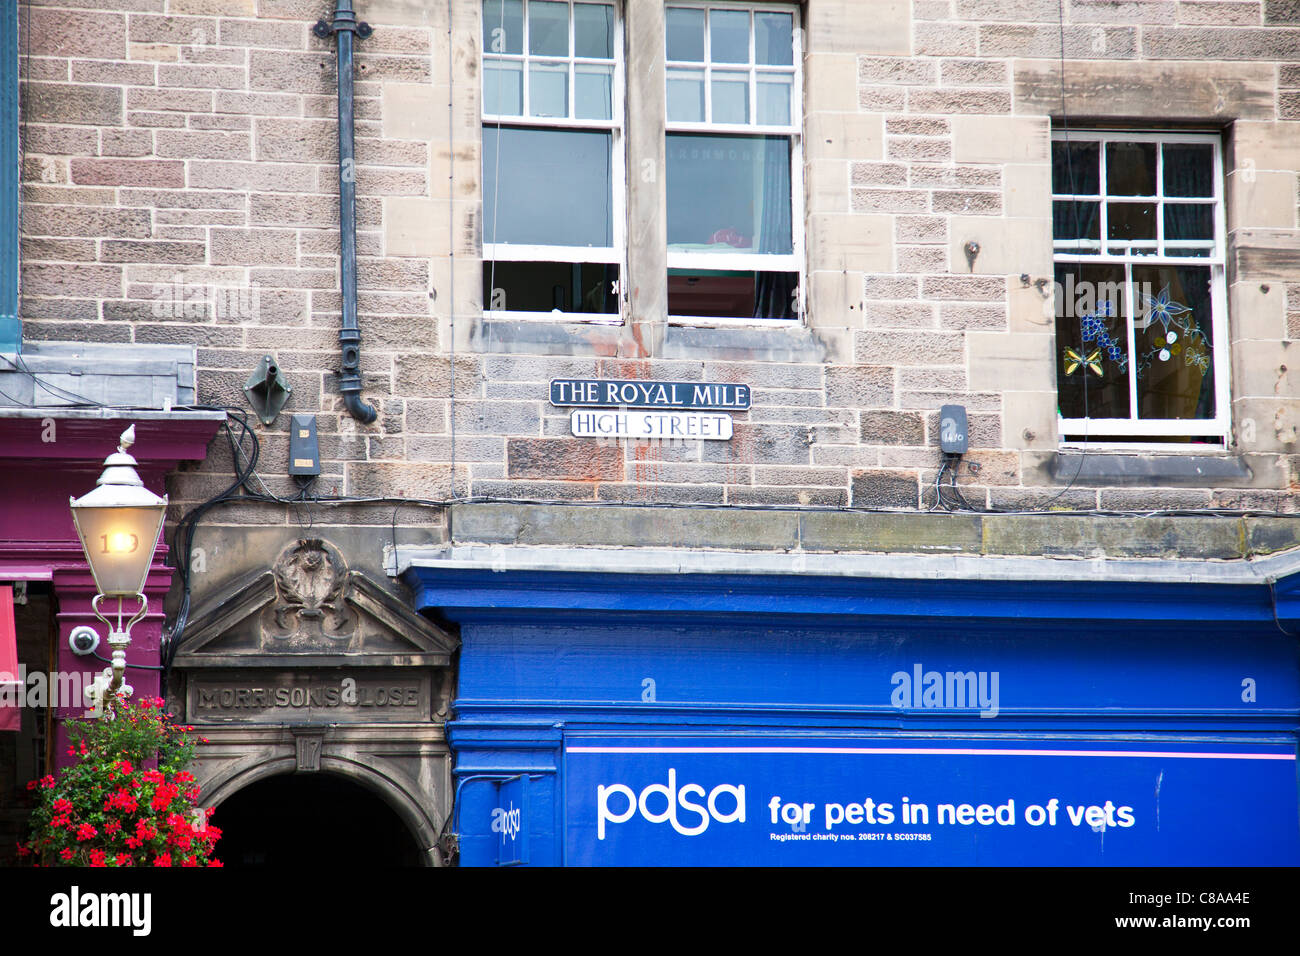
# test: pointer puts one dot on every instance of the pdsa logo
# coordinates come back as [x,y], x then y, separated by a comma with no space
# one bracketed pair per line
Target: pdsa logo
[506,822]
[668,802]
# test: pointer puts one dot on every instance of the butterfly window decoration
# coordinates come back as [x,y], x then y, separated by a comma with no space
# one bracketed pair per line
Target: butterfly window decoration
[1092,328]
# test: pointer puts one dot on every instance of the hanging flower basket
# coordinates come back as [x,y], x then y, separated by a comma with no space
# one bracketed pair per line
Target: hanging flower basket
[127,800]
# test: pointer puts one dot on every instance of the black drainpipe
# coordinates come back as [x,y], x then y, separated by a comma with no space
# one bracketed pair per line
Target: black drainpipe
[345,24]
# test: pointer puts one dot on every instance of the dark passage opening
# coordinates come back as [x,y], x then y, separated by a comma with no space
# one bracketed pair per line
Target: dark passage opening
[314,819]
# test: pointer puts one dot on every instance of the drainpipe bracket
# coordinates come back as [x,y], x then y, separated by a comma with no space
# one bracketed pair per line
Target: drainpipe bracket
[324,29]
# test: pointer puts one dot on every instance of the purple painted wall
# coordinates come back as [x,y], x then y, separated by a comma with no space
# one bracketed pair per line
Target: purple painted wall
[43,463]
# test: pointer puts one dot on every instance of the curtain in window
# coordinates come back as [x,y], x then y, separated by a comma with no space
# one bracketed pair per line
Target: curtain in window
[774,291]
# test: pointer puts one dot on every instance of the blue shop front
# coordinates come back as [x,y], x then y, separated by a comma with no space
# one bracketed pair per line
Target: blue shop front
[702,709]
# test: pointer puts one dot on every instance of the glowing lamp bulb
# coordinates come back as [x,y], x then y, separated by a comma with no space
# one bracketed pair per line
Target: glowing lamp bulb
[120,542]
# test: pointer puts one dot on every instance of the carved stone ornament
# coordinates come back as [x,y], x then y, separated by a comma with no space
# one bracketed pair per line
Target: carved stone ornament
[308,609]
[311,585]
[308,745]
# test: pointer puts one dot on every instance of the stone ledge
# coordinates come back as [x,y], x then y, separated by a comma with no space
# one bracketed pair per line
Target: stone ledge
[1180,471]
[1197,537]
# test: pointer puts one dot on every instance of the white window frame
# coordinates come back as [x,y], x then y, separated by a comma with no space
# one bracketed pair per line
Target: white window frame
[1073,251]
[616,253]
[749,262]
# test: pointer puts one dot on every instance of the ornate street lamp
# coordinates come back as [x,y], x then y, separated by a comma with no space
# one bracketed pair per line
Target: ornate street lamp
[119,524]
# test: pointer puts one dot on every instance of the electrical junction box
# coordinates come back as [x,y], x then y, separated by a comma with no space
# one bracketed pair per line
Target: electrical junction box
[953,435]
[304,449]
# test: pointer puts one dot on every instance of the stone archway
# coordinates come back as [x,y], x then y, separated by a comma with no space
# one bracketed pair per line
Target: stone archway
[264,761]
[313,670]
[322,819]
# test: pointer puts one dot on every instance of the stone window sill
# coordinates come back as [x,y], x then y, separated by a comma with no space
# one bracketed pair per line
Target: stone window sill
[1194,471]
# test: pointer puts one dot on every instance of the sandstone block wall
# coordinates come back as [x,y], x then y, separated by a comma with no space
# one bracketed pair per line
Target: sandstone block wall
[180,185]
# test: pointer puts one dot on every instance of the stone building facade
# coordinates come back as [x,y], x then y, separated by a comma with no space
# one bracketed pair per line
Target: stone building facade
[180,186]
[180,156]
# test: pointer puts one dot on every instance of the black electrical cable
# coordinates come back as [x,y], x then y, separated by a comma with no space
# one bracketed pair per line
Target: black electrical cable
[139,667]
[1074,208]
[182,548]
[1272,593]
[1078,228]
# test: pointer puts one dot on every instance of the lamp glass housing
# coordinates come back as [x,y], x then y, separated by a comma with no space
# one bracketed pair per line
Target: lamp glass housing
[119,538]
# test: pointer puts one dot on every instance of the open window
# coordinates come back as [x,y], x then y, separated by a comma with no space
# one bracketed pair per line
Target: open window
[1141,307]
[553,167]
[734,161]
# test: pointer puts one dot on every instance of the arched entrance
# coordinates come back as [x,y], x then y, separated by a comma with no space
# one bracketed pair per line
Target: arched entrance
[318,819]
[323,699]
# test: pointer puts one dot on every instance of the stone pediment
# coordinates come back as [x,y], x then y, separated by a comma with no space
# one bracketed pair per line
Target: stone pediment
[310,610]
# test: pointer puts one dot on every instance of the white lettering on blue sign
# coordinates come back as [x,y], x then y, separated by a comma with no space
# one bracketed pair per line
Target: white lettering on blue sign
[707,811]
[723,396]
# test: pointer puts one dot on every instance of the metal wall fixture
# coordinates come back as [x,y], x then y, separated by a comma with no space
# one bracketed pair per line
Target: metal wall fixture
[267,390]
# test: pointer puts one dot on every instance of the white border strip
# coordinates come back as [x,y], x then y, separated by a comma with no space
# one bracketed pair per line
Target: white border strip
[926,751]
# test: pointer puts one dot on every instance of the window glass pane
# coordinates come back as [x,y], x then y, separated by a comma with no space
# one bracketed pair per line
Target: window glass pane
[730,97]
[555,187]
[548,28]
[1076,220]
[738,295]
[548,89]
[1076,168]
[774,100]
[593,91]
[1174,351]
[1092,363]
[1189,169]
[1131,169]
[1189,253]
[729,194]
[503,26]
[685,29]
[1189,221]
[774,39]
[1130,220]
[503,87]
[685,95]
[729,36]
[556,287]
[593,30]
